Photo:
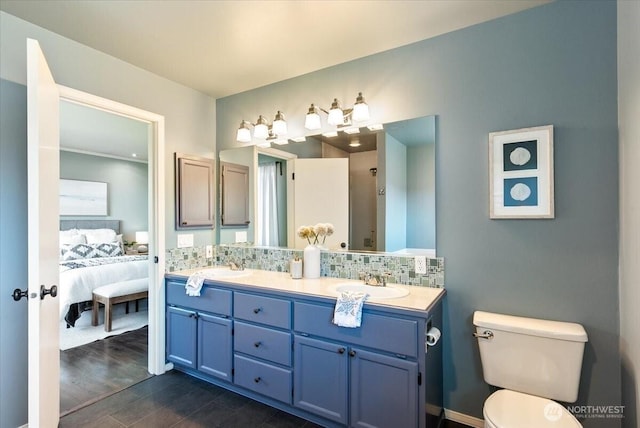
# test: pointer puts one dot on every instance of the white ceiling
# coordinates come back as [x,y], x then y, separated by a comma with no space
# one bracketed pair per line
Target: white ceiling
[226,47]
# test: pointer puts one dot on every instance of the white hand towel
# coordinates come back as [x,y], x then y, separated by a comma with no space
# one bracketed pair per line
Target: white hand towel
[194,284]
[348,311]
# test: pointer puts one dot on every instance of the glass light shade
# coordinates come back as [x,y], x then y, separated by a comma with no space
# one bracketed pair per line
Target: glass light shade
[243,135]
[261,129]
[142,237]
[279,124]
[360,112]
[312,121]
[336,115]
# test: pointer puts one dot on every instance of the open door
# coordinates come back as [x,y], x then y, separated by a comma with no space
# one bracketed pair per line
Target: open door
[317,181]
[43,200]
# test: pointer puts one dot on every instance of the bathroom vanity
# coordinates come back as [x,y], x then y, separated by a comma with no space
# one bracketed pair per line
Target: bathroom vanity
[271,338]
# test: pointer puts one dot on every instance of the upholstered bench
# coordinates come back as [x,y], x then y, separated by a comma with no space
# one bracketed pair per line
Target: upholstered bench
[117,292]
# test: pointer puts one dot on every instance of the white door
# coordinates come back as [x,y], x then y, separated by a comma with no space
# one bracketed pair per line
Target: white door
[43,174]
[321,195]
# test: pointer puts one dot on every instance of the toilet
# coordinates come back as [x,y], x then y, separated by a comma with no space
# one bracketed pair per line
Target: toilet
[535,361]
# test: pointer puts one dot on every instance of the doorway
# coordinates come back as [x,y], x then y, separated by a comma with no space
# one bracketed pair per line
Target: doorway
[153,146]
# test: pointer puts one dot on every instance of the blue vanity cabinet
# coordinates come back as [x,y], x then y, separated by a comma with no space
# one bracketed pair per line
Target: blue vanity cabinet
[282,349]
[199,330]
[182,330]
[321,382]
[214,346]
[360,377]
[384,390]
[262,345]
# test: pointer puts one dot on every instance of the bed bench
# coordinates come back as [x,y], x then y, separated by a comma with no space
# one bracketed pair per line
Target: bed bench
[117,292]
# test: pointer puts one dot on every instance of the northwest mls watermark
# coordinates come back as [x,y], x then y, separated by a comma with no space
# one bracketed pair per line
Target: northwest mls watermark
[554,412]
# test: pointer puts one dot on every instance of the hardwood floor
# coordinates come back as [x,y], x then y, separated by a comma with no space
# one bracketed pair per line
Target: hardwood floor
[98,369]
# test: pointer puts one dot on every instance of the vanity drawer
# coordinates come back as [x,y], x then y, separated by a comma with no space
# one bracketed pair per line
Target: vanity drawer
[272,381]
[396,335]
[212,300]
[263,343]
[263,310]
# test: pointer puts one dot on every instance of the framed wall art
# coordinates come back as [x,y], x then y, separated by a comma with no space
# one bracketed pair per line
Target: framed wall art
[83,197]
[521,173]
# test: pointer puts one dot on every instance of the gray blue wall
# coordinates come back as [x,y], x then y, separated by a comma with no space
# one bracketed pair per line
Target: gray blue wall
[554,64]
[13,253]
[127,189]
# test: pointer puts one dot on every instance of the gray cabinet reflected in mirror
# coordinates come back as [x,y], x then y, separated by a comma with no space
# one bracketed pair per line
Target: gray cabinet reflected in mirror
[390,189]
[234,180]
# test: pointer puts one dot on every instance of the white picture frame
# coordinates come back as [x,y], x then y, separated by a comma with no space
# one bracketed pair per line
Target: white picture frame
[83,198]
[521,174]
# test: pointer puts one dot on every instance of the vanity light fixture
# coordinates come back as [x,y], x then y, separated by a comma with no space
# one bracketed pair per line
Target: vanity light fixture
[355,142]
[375,127]
[336,115]
[351,131]
[262,129]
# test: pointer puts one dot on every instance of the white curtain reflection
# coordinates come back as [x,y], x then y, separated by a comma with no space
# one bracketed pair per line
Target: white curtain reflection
[268,233]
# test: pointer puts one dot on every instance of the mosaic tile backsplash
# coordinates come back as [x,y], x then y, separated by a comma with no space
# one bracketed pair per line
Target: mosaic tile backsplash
[337,264]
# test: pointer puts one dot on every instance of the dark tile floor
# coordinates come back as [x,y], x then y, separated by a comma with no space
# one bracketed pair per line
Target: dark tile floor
[177,400]
[181,401]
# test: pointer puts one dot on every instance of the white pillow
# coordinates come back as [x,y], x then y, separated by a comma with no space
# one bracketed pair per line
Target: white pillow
[98,236]
[71,236]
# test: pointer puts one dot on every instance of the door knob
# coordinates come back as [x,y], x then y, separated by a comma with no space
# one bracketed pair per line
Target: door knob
[53,291]
[19,294]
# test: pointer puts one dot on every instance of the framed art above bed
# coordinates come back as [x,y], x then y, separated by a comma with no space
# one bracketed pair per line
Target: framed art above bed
[83,197]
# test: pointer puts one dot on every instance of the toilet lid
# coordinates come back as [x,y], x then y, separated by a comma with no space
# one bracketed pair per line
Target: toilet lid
[505,408]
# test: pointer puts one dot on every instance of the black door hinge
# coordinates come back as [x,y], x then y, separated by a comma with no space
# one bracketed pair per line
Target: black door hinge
[155,259]
[293,175]
[419,378]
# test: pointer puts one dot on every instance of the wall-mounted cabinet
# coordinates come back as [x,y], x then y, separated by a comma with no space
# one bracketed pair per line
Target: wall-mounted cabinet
[234,181]
[194,192]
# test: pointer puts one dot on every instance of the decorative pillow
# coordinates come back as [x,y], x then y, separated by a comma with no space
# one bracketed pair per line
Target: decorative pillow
[76,252]
[89,251]
[98,236]
[108,249]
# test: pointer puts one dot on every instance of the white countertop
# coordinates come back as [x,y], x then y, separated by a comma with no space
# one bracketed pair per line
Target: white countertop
[419,298]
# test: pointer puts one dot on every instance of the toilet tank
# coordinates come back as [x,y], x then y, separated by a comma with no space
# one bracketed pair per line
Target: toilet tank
[529,355]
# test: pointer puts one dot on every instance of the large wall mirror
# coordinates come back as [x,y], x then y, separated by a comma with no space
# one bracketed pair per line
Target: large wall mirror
[377,187]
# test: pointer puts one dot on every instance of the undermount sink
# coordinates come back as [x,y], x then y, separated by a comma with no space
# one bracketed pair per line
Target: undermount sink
[374,292]
[224,272]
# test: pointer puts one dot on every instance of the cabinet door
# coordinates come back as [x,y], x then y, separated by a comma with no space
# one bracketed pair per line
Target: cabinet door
[384,391]
[235,194]
[181,336]
[320,378]
[194,192]
[214,346]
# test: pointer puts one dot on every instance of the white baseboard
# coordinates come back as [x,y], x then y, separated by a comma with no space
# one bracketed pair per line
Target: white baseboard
[463,419]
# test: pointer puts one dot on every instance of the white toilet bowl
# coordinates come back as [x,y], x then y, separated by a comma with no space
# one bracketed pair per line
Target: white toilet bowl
[506,409]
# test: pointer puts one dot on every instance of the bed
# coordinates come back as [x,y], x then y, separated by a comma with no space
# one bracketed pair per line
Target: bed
[86,263]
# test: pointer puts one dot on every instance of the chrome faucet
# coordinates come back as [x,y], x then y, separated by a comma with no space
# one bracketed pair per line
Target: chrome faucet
[236,266]
[375,280]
